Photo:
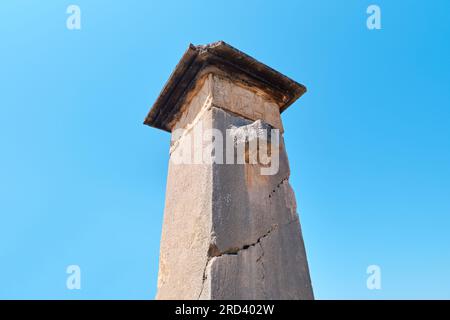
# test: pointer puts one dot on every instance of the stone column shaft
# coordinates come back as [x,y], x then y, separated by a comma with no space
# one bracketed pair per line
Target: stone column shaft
[229,231]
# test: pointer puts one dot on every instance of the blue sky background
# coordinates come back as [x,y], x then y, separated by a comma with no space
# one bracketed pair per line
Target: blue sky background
[82,181]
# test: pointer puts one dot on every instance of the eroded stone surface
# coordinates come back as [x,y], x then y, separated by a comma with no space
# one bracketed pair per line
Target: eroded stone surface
[274,267]
[244,102]
[230,232]
[229,63]
[186,230]
[221,92]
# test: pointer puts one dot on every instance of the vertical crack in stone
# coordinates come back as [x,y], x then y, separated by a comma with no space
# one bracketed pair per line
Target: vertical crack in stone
[263,273]
[204,277]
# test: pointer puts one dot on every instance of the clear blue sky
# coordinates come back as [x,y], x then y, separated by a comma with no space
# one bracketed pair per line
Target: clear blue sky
[82,180]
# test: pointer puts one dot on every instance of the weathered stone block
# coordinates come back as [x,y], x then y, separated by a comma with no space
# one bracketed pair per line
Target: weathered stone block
[230,231]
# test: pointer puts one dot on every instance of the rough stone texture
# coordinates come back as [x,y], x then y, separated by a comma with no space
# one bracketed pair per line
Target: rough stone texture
[227,61]
[186,228]
[221,92]
[273,268]
[229,232]
[244,102]
[258,248]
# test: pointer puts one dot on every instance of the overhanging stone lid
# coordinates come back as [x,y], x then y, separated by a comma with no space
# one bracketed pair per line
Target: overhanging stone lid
[235,64]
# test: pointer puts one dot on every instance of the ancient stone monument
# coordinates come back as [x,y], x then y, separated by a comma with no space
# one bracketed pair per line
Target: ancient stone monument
[231,230]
